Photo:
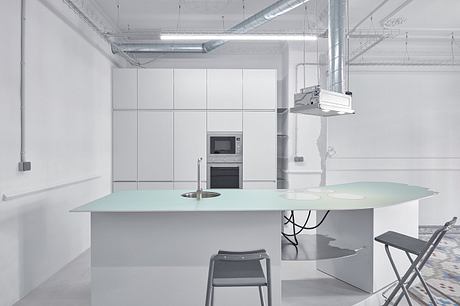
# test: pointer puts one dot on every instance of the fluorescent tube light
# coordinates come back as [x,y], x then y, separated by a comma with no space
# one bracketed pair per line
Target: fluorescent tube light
[255,37]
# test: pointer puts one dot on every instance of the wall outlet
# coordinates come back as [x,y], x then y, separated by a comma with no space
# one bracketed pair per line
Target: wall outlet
[298,159]
[24,166]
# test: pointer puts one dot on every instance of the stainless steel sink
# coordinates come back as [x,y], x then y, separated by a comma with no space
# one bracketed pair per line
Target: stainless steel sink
[204,194]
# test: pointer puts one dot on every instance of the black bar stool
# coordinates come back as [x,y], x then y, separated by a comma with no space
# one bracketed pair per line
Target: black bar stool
[422,249]
[239,269]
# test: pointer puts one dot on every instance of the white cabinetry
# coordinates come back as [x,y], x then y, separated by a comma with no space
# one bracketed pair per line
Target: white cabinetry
[259,185]
[161,118]
[155,88]
[225,88]
[125,145]
[124,88]
[124,186]
[259,89]
[155,146]
[259,146]
[220,121]
[189,144]
[155,185]
[190,88]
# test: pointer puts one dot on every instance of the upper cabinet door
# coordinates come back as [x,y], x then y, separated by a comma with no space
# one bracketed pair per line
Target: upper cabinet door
[189,144]
[259,89]
[259,146]
[225,88]
[155,146]
[155,88]
[190,88]
[225,121]
[124,88]
[125,145]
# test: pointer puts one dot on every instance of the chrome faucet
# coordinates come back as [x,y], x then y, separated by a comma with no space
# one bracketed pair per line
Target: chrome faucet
[199,190]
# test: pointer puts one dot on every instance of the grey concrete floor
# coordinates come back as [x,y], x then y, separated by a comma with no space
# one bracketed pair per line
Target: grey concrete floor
[70,286]
[302,285]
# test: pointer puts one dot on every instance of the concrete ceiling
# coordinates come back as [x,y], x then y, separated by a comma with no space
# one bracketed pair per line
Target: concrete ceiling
[207,14]
[428,23]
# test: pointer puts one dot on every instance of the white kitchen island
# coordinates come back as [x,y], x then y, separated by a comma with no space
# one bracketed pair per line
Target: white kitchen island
[153,247]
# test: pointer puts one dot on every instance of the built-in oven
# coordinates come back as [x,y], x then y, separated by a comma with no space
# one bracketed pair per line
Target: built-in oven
[225,160]
[225,147]
[223,175]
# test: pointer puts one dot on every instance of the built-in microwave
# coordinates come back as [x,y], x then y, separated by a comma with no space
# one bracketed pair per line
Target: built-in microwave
[225,147]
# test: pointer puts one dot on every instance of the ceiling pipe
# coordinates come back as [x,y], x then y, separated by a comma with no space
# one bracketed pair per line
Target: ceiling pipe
[276,9]
[271,12]
[158,48]
[336,40]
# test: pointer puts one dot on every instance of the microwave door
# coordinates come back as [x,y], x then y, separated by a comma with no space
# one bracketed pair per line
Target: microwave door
[222,145]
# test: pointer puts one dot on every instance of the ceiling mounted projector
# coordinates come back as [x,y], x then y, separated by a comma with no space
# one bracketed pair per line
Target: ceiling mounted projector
[319,102]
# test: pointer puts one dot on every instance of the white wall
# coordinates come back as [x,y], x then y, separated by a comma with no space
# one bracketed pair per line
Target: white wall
[306,173]
[406,129]
[68,132]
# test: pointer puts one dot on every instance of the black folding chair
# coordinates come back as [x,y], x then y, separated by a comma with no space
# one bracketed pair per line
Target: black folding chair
[422,249]
[239,269]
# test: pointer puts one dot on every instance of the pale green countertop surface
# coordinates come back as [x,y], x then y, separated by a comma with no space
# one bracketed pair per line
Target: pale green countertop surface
[359,195]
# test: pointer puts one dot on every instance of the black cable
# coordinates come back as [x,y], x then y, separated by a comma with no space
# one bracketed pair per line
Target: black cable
[290,217]
[295,243]
[303,227]
[295,224]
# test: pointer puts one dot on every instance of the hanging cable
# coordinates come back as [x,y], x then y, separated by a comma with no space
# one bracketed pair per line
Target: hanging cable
[179,8]
[317,43]
[304,227]
[118,14]
[348,46]
[407,57]
[452,42]
[294,242]
[244,9]
[304,46]
[223,23]
[290,217]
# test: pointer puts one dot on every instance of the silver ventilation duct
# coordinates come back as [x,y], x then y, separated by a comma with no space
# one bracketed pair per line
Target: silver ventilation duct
[276,9]
[336,40]
[332,102]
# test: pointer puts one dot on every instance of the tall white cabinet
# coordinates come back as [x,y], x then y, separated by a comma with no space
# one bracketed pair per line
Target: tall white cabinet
[161,118]
[155,146]
[124,143]
[189,144]
[259,136]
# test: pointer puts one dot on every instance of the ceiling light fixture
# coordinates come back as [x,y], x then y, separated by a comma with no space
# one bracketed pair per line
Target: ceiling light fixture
[253,37]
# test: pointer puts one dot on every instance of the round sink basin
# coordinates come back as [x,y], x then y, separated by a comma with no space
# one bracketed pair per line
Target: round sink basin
[204,194]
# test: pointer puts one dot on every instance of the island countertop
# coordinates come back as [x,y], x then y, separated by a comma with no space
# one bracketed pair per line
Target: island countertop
[359,195]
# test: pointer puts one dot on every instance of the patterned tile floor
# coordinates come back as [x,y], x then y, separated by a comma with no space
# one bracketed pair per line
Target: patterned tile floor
[442,272]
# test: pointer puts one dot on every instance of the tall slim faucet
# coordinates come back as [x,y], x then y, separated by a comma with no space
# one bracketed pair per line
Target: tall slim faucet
[199,190]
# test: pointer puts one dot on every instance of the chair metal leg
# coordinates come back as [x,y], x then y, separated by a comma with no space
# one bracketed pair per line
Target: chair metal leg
[212,296]
[420,266]
[269,282]
[422,280]
[261,296]
[208,296]
[210,288]
[400,282]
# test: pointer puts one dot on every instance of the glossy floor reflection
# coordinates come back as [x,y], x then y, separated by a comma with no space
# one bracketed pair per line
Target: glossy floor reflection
[314,247]
[302,285]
